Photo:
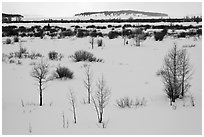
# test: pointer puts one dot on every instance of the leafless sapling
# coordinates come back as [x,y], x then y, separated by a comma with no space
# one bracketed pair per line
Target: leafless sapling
[72,101]
[40,72]
[101,98]
[88,82]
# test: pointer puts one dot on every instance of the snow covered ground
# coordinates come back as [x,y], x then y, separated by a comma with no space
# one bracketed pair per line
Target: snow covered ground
[128,71]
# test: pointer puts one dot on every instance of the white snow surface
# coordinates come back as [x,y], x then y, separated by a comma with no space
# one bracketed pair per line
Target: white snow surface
[128,71]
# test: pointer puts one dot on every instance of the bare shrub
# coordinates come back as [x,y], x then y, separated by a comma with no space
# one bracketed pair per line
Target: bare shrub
[22,52]
[66,33]
[64,72]
[124,102]
[113,34]
[34,55]
[53,55]
[100,42]
[82,33]
[16,39]
[159,36]
[127,102]
[82,55]
[8,41]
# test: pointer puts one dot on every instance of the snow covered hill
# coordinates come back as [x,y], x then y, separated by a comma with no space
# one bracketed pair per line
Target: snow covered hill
[121,14]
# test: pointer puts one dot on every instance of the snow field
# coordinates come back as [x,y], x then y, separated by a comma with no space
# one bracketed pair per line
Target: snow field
[128,71]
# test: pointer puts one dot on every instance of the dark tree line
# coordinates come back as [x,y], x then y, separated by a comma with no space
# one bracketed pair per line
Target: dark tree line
[192,19]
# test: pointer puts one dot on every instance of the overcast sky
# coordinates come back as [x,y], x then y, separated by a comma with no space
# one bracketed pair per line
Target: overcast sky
[62,9]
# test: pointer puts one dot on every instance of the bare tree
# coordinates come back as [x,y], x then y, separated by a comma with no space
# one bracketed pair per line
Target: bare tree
[72,101]
[40,72]
[93,34]
[139,35]
[101,98]
[176,73]
[170,74]
[88,82]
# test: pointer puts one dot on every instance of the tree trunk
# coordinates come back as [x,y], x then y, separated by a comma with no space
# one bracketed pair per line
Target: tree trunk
[173,103]
[170,102]
[100,117]
[41,94]
[89,96]
[124,40]
[41,98]
[63,120]
[75,119]
[173,99]
[92,42]
[96,108]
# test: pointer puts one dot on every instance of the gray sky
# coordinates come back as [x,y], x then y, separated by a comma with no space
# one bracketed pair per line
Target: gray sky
[63,9]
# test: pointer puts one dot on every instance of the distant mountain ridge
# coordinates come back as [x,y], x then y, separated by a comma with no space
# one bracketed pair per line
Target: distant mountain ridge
[123,12]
